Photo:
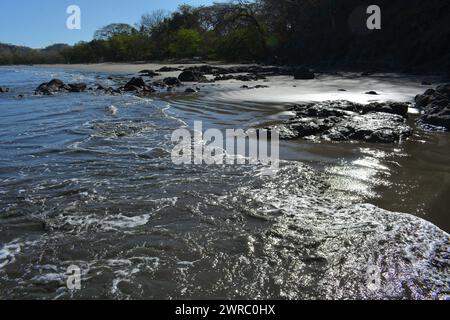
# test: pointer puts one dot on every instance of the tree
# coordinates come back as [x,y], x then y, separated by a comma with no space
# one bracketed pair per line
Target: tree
[151,22]
[114,29]
[186,43]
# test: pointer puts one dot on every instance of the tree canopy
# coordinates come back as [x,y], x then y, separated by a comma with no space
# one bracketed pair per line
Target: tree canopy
[327,32]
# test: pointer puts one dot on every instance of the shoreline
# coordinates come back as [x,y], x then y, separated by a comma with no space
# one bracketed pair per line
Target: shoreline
[135,67]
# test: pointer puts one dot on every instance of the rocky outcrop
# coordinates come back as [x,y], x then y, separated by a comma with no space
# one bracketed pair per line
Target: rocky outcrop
[168,69]
[77,87]
[4,90]
[172,82]
[191,76]
[434,105]
[138,85]
[149,73]
[347,121]
[57,85]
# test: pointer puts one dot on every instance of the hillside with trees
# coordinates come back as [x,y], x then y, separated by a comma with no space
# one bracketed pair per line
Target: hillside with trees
[415,35]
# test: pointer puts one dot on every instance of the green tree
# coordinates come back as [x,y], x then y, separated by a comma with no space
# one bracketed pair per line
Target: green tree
[185,43]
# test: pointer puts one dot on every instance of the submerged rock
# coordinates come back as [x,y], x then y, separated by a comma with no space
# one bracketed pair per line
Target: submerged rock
[347,121]
[57,85]
[373,93]
[435,107]
[4,90]
[77,87]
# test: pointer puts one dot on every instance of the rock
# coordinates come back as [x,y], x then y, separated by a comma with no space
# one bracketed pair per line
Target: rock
[53,86]
[190,90]
[149,73]
[168,69]
[224,77]
[48,88]
[342,90]
[435,107]
[397,108]
[303,74]
[255,87]
[138,85]
[191,76]
[4,90]
[77,87]
[347,121]
[373,93]
[426,83]
[444,90]
[172,81]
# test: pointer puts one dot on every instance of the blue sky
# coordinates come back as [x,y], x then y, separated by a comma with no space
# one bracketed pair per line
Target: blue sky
[40,23]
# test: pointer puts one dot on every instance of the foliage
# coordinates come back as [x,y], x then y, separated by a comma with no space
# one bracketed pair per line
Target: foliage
[414,33]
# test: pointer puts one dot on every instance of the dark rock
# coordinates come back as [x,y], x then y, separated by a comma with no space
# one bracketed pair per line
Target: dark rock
[347,121]
[224,77]
[444,90]
[435,107]
[342,90]
[4,90]
[77,87]
[149,73]
[426,83]
[168,69]
[400,109]
[137,85]
[373,93]
[48,88]
[191,76]
[190,90]
[172,81]
[303,74]
[53,86]
[255,87]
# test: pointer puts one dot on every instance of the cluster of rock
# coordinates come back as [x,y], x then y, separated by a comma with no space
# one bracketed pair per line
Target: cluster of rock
[434,105]
[56,85]
[240,73]
[348,121]
[138,85]
[4,90]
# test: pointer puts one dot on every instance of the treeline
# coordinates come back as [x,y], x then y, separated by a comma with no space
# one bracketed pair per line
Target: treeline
[414,34]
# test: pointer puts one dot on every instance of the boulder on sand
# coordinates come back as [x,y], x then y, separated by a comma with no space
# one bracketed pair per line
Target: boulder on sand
[191,76]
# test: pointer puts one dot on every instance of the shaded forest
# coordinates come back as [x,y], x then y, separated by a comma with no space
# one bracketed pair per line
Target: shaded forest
[415,36]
